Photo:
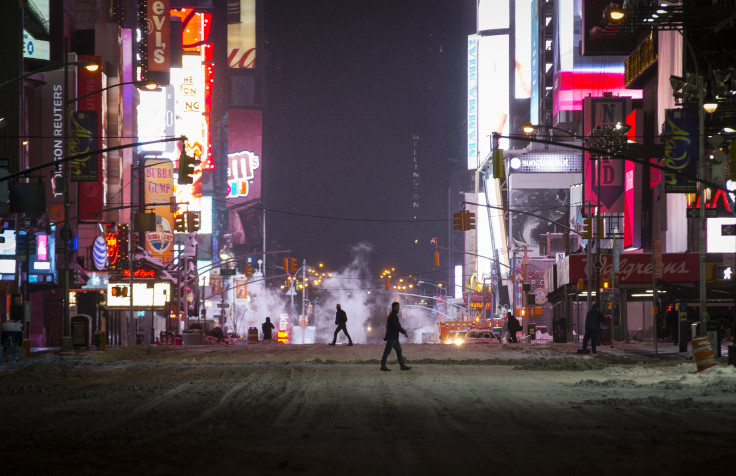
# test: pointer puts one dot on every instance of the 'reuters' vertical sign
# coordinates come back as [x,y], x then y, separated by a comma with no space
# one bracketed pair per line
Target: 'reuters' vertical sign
[158,35]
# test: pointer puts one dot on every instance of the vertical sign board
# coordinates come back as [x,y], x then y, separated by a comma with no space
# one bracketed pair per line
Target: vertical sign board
[245,142]
[680,137]
[241,33]
[601,112]
[158,35]
[50,146]
[159,188]
[92,177]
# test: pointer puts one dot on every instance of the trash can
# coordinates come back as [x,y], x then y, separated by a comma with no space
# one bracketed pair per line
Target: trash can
[192,337]
[559,330]
[80,329]
[12,337]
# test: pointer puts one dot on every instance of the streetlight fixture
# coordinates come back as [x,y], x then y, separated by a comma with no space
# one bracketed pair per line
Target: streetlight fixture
[66,232]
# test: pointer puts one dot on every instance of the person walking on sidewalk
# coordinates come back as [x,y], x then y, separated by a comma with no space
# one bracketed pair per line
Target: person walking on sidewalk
[512,323]
[341,319]
[593,320]
[393,327]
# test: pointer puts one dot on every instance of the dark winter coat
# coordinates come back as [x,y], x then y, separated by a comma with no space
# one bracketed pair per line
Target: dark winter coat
[593,318]
[341,317]
[513,324]
[393,326]
[266,327]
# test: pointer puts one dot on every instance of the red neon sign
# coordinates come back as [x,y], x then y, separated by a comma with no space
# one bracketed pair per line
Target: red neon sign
[140,273]
[112,247]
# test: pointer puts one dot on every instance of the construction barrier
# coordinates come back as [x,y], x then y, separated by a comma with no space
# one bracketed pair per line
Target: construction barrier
[252,334]
[702,353]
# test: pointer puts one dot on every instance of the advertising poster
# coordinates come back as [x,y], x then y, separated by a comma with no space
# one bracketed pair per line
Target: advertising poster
[680,137]
[92,189]
[159,188]
[241,33]
[245,139]
[602,172]
[83,132]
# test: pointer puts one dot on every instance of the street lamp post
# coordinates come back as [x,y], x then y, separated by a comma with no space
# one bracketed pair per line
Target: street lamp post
[66,232]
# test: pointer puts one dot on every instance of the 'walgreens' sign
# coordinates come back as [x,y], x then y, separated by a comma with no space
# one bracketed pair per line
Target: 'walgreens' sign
[158,35]
[637,268]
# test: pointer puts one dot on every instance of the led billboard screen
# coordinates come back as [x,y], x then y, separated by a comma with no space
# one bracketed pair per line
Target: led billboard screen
[241,33]
[493,92]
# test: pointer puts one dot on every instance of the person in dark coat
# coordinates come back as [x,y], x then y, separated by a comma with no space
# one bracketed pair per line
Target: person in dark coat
[593,320]
[512,323]
[393,327]
[266,327]
[340,320]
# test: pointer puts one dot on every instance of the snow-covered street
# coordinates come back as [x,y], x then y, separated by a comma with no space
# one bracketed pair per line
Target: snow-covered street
[315,409]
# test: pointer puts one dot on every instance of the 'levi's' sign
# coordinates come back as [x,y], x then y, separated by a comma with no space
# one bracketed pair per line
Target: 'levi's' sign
[158,35]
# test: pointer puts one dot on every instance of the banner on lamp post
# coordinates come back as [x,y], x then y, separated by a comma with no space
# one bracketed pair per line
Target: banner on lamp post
[680,137]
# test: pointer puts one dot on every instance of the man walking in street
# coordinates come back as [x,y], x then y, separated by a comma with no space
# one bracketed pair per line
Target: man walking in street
[593,320]
[512,323]
[340,320]
[266,327]
[393,327]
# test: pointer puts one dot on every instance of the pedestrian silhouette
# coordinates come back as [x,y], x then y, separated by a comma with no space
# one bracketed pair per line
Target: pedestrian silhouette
[593,320]
[266,327]
[340,320]
[512,323]
[393,327]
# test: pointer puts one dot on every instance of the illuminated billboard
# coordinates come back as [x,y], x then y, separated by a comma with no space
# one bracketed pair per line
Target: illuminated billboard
[89,171]
[158,35]
[571,87]
[156,113]
[193,83]
[145,295]
[472,118]
[245,139]
[36,44]
[493,15]
[523,49]
[493,92]
[241,33]
[158,186]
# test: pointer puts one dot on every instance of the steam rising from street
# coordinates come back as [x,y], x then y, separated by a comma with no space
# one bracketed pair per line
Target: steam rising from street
[361,296]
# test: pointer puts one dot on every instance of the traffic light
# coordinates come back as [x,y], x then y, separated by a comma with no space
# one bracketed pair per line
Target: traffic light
[388,284]
[187,166]
[294,265]
[180,223]
[469,220]
[119,291]
[286,265]
[184,167]
[588,227]
[248,270]
[436,259]
[133,241]
[457,219]
[192,221]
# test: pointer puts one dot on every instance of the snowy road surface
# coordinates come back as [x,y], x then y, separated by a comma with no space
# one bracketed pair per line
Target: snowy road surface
[272,409]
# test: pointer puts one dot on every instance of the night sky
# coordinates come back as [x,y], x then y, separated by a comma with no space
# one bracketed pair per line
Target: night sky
[350,85]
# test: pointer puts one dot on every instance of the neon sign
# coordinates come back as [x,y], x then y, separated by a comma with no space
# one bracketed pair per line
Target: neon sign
[140,273]
[112,247]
